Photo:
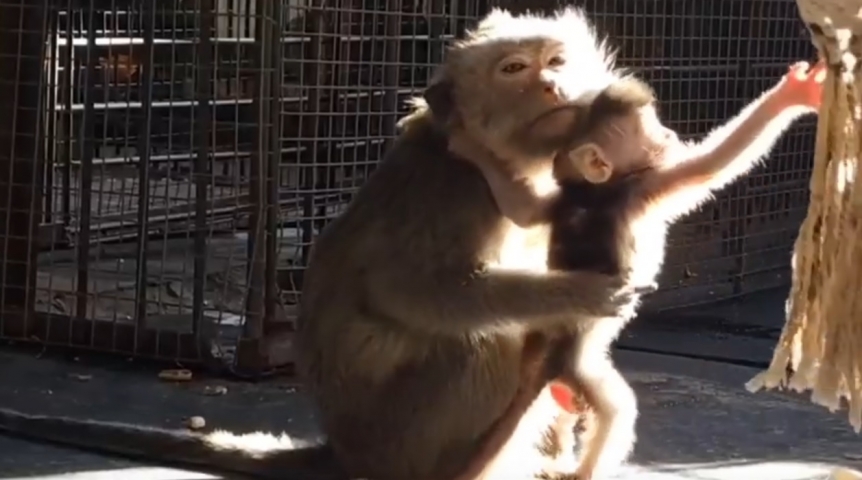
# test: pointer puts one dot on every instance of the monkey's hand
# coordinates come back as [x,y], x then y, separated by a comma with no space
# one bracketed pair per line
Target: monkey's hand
[802,86]
[624,301]
[652,287]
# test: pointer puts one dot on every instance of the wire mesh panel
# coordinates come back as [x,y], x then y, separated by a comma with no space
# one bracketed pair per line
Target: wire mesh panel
[22,26]
[706,60]
[154,117]
[166,165]
[339,113]
[349,69]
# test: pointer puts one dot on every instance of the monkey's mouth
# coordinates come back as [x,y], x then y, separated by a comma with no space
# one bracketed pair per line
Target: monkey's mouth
[560,106]
[566,120]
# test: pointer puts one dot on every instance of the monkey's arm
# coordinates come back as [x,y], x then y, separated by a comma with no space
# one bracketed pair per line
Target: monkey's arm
[448,303]
[516,198]
[514,193]
[725,154]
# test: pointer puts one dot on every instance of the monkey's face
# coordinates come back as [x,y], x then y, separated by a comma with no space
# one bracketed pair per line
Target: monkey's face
[510,70]
[511,85]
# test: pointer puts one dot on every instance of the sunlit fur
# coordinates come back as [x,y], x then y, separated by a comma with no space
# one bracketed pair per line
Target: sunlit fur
[677,179]
[633,179]
[672,179]
[570,27]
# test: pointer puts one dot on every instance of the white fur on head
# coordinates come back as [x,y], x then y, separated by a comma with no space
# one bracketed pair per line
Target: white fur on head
[595,58]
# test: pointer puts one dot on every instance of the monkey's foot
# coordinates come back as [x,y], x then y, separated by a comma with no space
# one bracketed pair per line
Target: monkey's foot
[582,474]
[844,474]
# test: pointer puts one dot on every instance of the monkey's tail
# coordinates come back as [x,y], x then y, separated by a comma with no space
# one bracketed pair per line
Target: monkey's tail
[257,454]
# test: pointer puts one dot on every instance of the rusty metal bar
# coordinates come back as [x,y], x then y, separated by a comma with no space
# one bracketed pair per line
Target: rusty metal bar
[313,77]
[50,141]
[141,275]
[392,57]
[87,133]
[68,66]
[273,221]
[257,258]
[203,137]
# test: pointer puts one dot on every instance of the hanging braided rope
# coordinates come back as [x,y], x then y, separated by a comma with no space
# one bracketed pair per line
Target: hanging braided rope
[820,348]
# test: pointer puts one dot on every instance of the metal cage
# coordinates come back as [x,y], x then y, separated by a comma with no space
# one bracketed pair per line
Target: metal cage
[165,165]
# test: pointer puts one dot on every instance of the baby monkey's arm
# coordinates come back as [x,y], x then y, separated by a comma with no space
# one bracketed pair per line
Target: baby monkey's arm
[733,149]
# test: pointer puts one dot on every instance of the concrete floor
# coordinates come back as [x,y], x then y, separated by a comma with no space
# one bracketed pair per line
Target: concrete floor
[697,421]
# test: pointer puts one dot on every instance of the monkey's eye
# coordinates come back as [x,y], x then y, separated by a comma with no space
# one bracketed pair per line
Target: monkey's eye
[513,67]
[556,61]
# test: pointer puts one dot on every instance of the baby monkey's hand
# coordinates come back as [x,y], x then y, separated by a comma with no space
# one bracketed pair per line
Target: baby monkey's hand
[803,86]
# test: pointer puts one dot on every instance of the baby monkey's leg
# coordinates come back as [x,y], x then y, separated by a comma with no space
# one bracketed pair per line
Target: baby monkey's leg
[568,396]
[610,428]
[568,432]
[609,435]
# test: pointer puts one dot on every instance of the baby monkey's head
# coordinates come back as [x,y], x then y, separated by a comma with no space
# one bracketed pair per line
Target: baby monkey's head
[609,134]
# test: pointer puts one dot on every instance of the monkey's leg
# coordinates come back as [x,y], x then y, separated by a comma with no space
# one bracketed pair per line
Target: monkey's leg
[610,436]
[532,380]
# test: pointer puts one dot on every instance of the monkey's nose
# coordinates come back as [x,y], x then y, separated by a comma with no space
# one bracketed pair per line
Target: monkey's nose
[552,93]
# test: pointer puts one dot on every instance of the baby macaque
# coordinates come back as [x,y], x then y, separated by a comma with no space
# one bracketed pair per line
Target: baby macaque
[622,180]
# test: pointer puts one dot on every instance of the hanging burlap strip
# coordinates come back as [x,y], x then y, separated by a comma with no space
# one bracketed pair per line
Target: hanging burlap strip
[820,348]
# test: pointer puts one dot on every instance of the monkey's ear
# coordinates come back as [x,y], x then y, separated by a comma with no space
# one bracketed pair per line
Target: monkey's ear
[591,162]
[440,98]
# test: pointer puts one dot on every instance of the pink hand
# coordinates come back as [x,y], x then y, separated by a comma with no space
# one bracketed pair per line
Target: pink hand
[804,86]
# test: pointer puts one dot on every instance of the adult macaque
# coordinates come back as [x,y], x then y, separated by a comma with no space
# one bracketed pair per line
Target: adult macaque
[420,299]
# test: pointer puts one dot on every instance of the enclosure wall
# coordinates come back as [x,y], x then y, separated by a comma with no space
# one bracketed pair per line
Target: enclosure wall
[166,165]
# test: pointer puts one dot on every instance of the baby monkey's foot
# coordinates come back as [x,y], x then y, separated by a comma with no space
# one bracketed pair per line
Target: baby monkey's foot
[559,476]
[580,476]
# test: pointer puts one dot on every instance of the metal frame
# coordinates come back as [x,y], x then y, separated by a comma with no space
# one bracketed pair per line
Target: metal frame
[252,122]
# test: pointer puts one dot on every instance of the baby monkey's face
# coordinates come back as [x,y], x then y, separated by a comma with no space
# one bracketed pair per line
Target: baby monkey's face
[636,140]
